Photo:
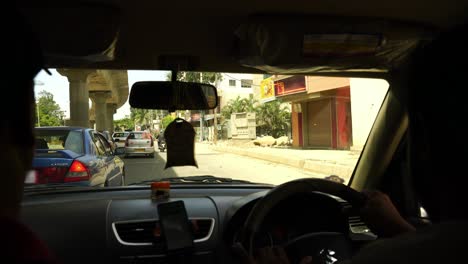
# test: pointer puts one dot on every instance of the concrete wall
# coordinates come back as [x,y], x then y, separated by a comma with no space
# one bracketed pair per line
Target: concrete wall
[366,98]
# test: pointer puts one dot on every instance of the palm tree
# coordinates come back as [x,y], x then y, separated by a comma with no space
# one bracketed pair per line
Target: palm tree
[250,104]
[141,116]
[273,119]
[239,105]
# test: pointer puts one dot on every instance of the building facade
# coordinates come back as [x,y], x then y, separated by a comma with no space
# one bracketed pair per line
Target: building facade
[327,112]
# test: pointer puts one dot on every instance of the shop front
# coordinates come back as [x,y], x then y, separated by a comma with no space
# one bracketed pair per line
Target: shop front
[321,111]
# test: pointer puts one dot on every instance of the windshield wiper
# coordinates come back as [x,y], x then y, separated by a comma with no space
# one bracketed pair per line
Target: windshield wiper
[195,179]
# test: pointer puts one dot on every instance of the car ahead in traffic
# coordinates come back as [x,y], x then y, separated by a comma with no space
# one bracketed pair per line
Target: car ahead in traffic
[119,138]
[75,155]
[139,143]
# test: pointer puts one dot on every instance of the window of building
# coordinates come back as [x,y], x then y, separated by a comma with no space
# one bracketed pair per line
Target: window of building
[246,83]
[232,83]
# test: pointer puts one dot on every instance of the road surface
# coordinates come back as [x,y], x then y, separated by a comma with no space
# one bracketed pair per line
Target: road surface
[213,163]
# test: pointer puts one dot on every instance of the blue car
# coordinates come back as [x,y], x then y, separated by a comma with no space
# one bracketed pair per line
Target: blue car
[75,155]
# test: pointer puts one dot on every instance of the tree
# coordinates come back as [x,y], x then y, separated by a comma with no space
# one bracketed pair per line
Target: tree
[239,105]
[206,77]
[167,120]
[124,124]
[142,117]
[48,111]
[273,119]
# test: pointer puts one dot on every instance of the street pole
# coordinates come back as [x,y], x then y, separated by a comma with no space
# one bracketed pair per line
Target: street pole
[215,131]
[201,115]
[38,83]
[38,116]
[201,125]
[215,121]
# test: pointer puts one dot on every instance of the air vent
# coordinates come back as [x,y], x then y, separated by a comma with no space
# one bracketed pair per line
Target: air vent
[136,232]
[359,229]
[144,232]
[202,229]
[357,225]
[345,205]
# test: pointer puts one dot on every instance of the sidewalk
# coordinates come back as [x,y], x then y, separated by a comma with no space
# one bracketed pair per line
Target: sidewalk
[327,162]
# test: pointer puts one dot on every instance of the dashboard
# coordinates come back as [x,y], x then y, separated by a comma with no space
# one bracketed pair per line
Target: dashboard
[117,225]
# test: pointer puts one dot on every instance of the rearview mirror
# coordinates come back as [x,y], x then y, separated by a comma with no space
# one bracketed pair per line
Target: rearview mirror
[173,96]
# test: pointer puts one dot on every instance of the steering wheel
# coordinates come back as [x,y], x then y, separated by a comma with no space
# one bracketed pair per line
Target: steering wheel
[327,245]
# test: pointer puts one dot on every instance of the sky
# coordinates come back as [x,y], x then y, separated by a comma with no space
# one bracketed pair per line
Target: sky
[57,85]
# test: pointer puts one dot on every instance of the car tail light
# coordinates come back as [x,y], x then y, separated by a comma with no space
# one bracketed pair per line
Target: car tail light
[50,174]
[77,172]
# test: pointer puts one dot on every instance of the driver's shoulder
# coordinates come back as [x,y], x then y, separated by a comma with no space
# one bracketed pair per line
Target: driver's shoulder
[431,244]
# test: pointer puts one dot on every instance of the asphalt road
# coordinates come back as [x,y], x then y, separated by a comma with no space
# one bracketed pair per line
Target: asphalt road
[213,163]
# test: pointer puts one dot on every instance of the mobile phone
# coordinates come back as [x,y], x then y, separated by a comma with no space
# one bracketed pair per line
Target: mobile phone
[175,226]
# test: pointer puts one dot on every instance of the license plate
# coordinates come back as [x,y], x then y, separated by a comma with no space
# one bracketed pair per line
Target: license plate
[140,150]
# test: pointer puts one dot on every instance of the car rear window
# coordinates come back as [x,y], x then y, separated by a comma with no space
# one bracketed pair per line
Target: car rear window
[120,134]
[139,136]
[60,139]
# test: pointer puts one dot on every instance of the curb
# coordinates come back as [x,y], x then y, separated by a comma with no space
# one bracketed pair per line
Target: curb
[304,164]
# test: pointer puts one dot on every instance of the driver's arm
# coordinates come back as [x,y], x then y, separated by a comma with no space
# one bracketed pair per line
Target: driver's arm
[383,217]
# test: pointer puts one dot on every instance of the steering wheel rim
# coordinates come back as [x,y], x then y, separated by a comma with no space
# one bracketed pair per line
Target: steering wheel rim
[281,192]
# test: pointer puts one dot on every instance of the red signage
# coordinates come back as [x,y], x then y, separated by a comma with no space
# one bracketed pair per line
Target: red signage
[290,85]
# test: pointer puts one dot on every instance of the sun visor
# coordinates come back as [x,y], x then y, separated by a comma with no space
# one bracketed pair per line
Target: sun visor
[305,46]
[75,33]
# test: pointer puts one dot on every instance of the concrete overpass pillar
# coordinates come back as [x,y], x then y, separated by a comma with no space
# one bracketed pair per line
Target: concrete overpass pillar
[99,98]
[111,108]
[79,96]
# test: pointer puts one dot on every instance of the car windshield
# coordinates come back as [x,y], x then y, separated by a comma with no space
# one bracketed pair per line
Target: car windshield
[266,129]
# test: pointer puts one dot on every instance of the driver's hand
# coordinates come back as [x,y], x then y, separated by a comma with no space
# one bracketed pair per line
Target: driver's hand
[274,255]
[382,216]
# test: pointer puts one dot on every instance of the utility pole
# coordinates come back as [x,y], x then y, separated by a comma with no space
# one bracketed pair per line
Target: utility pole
[215,121]
[201,114]
[38,116]
[37,82]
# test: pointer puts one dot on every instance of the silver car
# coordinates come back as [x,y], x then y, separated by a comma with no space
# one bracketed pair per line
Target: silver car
[139,143]
[119,139]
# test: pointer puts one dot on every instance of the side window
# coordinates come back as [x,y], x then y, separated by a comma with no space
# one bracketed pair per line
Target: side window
[105,144]
[100,149]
